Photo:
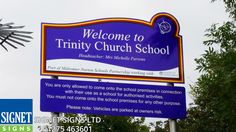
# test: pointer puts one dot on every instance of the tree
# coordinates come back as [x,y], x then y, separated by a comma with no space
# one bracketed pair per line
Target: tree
[230,7]
[160,126]
[121,124]
[214,92]
[10,36]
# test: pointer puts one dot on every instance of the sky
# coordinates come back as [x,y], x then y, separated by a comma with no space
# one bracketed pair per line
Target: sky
[20,69]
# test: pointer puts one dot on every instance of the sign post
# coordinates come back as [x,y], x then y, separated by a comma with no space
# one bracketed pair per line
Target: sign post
[172,122]
[54,115]
[172,125]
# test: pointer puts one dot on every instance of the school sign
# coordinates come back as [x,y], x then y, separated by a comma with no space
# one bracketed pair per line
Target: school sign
[115,48]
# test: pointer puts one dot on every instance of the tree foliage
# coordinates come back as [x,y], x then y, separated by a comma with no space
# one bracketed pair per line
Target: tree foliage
[214,92]
[230,7]
[160,126]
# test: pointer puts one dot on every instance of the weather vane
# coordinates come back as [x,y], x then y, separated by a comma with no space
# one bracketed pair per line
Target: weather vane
[10,35]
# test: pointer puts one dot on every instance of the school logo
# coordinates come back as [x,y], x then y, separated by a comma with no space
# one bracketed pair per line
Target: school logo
[165,27]
[16,115]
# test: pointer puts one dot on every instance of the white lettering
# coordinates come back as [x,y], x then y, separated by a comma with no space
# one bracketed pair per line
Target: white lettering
[109,47]
[91,33]
[152,50]
[16,117]
[61,43]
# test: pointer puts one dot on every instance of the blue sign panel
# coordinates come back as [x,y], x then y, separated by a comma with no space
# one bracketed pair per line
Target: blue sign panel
[112,99]
[115,48]
[16,111]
